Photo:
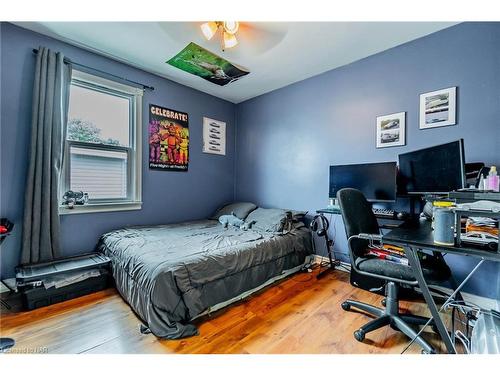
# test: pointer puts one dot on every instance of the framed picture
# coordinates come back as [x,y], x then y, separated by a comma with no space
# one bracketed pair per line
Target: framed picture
[391,130]
[214,136]
[438,108]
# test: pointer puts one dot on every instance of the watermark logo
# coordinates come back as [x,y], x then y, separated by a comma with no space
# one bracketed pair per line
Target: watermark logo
[27,350]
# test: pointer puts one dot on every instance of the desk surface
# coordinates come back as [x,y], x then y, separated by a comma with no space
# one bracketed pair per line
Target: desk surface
[420,234]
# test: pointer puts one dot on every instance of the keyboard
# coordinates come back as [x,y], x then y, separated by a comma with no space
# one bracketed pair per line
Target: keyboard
[384,212]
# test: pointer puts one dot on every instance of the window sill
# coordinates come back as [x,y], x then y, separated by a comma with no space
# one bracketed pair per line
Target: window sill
[100,207]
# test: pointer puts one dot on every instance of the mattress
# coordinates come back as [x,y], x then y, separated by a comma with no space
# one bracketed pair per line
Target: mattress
[170,274]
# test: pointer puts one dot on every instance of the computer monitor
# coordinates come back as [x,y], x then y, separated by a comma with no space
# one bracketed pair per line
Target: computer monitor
[377,181]
[434,170]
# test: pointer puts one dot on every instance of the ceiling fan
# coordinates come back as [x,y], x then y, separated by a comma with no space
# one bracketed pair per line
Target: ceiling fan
[228,30]
[252,38]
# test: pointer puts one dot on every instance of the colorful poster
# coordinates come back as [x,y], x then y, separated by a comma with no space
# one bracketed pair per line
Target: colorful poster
[168,139]
[205,64]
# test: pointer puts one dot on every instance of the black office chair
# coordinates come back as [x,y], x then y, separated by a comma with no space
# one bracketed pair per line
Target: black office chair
[359,219]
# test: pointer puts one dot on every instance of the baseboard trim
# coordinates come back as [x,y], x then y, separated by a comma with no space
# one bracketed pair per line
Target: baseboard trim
[484,302]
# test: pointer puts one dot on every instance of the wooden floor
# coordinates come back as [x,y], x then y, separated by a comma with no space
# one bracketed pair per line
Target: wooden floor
[297,315]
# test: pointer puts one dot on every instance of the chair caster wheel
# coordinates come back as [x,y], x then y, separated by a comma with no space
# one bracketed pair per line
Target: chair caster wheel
[423,351]
[359,335]
[384,301]
[346,306]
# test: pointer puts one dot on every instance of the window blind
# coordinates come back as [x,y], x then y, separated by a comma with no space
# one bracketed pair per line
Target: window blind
[100,173]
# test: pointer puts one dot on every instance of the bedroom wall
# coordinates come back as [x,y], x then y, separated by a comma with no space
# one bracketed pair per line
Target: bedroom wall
[167,196]
[287,139]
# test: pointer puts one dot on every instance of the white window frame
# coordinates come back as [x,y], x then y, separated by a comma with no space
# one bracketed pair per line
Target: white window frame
[134,159]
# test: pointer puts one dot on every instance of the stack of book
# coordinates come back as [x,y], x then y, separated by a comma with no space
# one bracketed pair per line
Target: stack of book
[482,224]
[389,252]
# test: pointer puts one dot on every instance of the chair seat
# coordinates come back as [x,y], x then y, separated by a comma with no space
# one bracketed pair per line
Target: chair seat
[434,268]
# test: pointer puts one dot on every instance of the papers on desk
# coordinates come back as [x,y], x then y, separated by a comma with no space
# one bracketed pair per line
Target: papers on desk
[488,206]
[485,221]
[482,224]
[479,229]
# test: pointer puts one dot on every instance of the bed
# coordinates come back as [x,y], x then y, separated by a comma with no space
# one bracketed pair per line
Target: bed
[172,274]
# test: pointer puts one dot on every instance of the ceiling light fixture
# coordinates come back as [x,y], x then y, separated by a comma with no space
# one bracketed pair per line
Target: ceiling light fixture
[209,29]
[228,30]
[231,27]
[229,40]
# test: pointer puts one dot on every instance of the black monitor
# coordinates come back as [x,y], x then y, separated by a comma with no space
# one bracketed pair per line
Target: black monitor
[377,181]
[434,170]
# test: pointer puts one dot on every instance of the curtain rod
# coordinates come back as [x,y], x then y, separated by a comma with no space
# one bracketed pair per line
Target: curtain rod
[67,61]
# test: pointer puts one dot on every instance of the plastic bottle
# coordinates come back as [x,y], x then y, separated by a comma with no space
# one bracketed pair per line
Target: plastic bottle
[493,180]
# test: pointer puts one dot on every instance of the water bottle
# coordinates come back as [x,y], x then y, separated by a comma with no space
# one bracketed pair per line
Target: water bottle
[493,180]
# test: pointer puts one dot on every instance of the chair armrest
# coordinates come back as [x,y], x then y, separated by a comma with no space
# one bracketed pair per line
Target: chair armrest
[368,236]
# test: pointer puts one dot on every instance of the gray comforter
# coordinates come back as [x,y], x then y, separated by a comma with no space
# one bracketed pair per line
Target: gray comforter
[169,274]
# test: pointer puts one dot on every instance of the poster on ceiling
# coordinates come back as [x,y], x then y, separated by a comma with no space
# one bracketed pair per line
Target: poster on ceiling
[197,60]
[168,139]
[214,136]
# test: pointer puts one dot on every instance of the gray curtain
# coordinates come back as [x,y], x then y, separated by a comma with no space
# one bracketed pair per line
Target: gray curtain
[48,132]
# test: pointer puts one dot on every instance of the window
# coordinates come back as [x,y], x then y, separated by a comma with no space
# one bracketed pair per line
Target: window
[103,146]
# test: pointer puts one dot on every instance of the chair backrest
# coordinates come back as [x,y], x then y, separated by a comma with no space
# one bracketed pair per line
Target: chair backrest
[358,217]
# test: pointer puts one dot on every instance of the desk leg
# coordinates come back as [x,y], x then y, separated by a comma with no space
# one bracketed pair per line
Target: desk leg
[412,255]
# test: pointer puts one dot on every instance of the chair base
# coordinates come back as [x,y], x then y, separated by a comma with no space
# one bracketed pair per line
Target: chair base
[390,316]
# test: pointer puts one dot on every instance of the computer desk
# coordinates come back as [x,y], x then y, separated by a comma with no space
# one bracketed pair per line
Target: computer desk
[417,235]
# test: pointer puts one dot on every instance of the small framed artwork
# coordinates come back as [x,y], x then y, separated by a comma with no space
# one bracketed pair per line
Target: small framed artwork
[214,136]
[391,130]
[438,108]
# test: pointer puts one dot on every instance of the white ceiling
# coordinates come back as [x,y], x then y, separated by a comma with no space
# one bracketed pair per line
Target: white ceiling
[276,53]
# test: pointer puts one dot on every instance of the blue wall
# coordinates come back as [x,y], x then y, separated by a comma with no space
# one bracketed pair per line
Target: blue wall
[167,196]
[286,139]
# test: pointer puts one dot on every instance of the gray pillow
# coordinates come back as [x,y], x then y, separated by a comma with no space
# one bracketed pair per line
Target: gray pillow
[240,210]
[269,219]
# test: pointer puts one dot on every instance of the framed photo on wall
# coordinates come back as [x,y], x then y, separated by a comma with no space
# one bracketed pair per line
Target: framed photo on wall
[214,136]
[391,130]
[438,108]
